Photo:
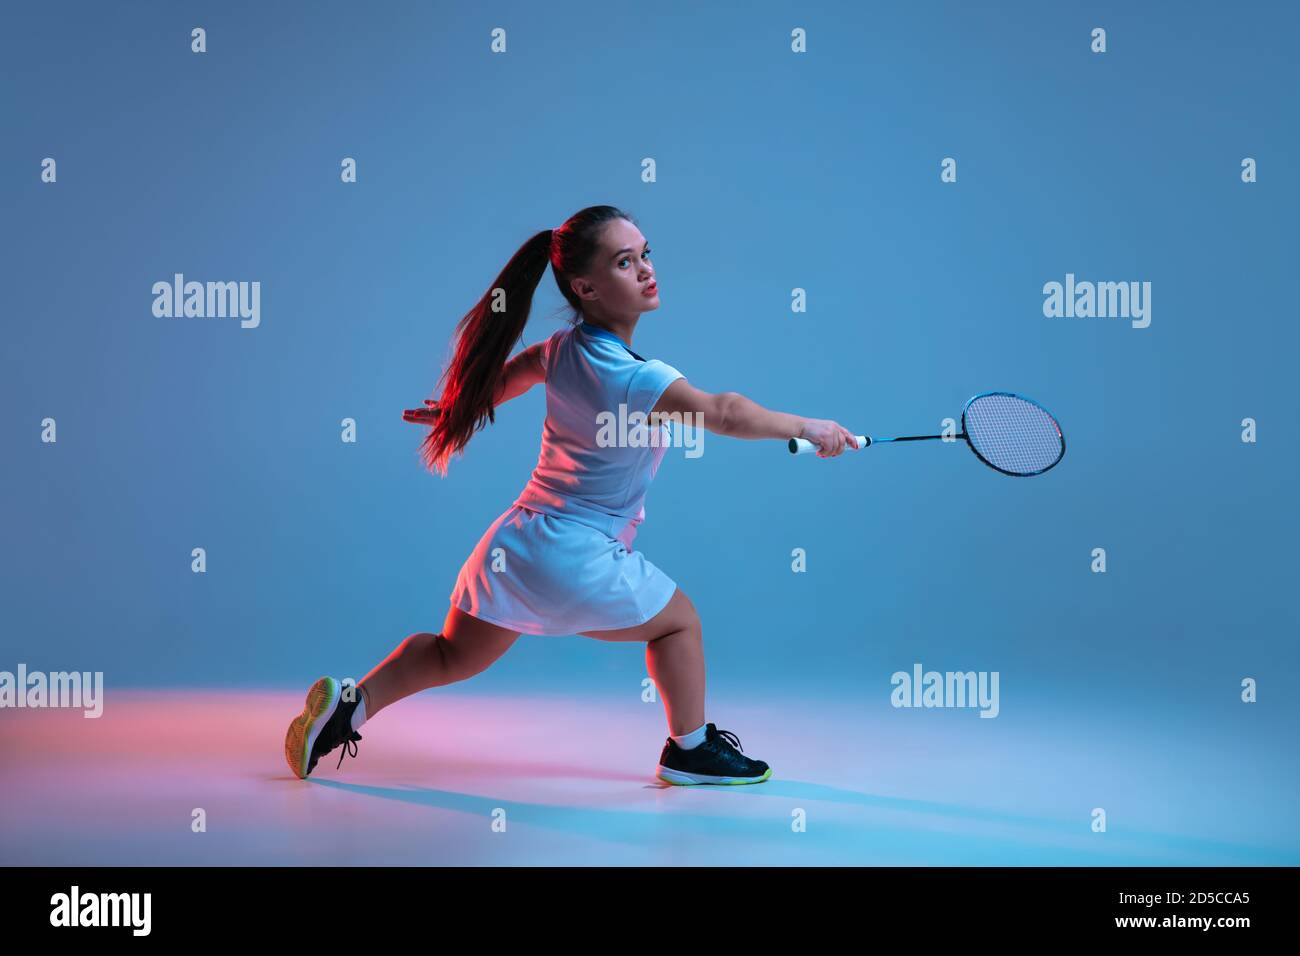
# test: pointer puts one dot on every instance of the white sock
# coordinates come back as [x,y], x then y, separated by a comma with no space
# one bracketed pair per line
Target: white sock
[359,715]
[693,739]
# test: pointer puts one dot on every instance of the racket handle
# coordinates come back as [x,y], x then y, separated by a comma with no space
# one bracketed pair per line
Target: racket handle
[802,446]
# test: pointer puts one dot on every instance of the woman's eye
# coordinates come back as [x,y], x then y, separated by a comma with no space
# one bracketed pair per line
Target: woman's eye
[625,258]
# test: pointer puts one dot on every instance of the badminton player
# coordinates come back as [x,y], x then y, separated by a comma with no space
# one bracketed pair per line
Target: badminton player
[560,560]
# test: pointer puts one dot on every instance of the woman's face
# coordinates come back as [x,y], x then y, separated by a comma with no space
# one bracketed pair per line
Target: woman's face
[621,275]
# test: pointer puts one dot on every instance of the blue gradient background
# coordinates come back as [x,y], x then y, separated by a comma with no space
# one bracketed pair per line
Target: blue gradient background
[775,171]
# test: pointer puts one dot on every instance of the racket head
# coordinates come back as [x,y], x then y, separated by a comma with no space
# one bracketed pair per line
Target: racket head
[1012,434]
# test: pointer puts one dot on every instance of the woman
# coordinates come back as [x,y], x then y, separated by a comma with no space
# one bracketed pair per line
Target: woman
[560,559]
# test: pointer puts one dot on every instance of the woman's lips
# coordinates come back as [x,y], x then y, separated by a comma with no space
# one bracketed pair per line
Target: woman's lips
[651,289]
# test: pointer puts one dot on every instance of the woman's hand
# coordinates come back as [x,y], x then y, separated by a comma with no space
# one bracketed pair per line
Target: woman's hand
[423,416]
[830,437]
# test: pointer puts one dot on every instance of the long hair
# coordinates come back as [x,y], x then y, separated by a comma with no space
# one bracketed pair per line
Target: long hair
[490,330]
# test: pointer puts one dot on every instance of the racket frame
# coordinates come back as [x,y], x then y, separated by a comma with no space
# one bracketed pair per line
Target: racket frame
[1024,398]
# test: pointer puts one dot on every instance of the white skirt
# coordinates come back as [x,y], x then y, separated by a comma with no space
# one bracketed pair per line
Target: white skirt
[555,576]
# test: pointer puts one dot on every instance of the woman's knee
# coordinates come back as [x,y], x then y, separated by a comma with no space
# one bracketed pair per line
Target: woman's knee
[678,617]
[470,646]
[420,644]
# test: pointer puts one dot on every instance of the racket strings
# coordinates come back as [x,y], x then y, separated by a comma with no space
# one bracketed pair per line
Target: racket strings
[1013,434]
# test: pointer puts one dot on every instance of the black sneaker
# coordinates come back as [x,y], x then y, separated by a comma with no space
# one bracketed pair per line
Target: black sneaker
[715,761]
[325,722]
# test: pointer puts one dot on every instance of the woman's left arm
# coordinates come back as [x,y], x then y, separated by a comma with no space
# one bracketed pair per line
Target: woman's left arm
[521,373]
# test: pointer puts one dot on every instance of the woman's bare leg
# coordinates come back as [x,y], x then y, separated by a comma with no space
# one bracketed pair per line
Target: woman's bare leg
[465,647]
[674,656]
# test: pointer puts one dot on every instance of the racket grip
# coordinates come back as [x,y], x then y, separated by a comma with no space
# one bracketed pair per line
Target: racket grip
[802,446]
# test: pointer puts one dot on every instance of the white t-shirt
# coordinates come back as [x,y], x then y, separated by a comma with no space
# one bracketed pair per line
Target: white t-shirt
[595,465]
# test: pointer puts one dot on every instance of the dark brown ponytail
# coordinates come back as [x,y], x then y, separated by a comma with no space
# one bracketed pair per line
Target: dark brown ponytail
[491,329]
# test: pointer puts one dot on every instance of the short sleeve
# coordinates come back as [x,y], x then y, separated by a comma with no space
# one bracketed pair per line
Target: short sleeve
[648,383]
[547,346]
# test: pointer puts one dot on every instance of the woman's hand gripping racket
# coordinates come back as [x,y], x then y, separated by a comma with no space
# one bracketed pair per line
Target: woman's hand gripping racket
[1008,432]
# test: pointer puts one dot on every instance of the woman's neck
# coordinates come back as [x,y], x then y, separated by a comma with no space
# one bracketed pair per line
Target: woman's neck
[623,330]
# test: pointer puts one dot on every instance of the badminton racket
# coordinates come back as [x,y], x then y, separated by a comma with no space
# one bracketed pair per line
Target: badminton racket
[1008,432]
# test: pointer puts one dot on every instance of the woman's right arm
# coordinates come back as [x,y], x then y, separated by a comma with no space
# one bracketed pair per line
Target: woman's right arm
[732,414]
